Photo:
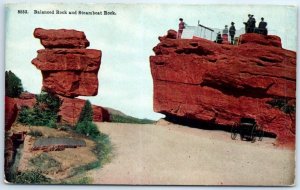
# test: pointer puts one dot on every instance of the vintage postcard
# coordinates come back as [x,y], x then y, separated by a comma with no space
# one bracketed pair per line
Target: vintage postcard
[150,94]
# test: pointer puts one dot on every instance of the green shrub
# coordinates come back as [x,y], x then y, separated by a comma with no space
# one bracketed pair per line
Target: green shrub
[31,177]
[48,101]
[52,124]
[25,115]
[44,112]
[78,180]
[13,85]
[103,148]
[86,112]
[87,128]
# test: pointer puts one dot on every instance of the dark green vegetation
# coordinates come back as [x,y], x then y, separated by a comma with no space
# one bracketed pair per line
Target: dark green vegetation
[86,113]
[103,148]
[31,177]
[13,85]
[85,123]
[283,105]
[129,119]
[87,128]
[44,112]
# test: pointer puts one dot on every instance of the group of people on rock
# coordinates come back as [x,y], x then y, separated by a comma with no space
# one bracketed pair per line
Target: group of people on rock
[250,27]
[225,34]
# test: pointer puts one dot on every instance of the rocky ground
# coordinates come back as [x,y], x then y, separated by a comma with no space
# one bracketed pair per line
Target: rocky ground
[166,154]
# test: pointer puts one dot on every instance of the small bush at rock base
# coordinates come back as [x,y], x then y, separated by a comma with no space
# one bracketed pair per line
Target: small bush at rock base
[87,128]
[31,177]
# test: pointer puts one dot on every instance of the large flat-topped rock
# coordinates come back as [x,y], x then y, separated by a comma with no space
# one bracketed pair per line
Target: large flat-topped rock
[201,80]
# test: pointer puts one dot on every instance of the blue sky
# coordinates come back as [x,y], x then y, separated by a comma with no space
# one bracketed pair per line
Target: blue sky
[126,41]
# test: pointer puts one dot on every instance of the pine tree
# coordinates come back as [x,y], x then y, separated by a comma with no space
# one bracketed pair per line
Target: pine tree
[86,112]
[13,85]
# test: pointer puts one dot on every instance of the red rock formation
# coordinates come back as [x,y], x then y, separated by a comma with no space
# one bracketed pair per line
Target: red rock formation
[202,80]
[61,38]
[68,70]
[11,113]
[269,40]
[26,99]
[71,108]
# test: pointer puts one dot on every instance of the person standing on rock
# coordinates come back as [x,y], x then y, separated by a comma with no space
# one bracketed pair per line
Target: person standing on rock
[247,24]
[180,28]
[225,33]
[252,24]
[232,32]
[262,27]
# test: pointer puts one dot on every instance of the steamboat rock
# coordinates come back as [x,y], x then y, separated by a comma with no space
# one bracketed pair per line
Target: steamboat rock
[219,84]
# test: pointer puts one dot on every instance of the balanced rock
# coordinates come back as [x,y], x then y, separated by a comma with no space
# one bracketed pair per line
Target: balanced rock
[61,38]
[201,80]
[68,71]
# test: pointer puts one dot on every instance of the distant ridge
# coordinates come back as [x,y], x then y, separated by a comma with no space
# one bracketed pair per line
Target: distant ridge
[117,116]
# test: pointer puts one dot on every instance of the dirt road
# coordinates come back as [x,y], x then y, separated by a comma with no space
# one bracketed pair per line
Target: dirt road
[178,155]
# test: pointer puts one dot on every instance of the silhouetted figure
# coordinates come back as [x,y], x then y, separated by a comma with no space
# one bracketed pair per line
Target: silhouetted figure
[232,32]
[252,24]
[247,24]
[219,39]
[262,27]
[180,28]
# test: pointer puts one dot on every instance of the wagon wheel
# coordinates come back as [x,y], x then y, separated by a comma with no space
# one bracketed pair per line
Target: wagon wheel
[260,133]
[254,133]
[234,131]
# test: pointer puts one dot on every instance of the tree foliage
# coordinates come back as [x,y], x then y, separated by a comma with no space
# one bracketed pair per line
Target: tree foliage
[85,123]
[86,112]
[13,85]
[44,112]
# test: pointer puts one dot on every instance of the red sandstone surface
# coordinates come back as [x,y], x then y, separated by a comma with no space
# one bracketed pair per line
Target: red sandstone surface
[216,83]
[11,112]
[67,70]
[26,99]
[71,108]
[61,38]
